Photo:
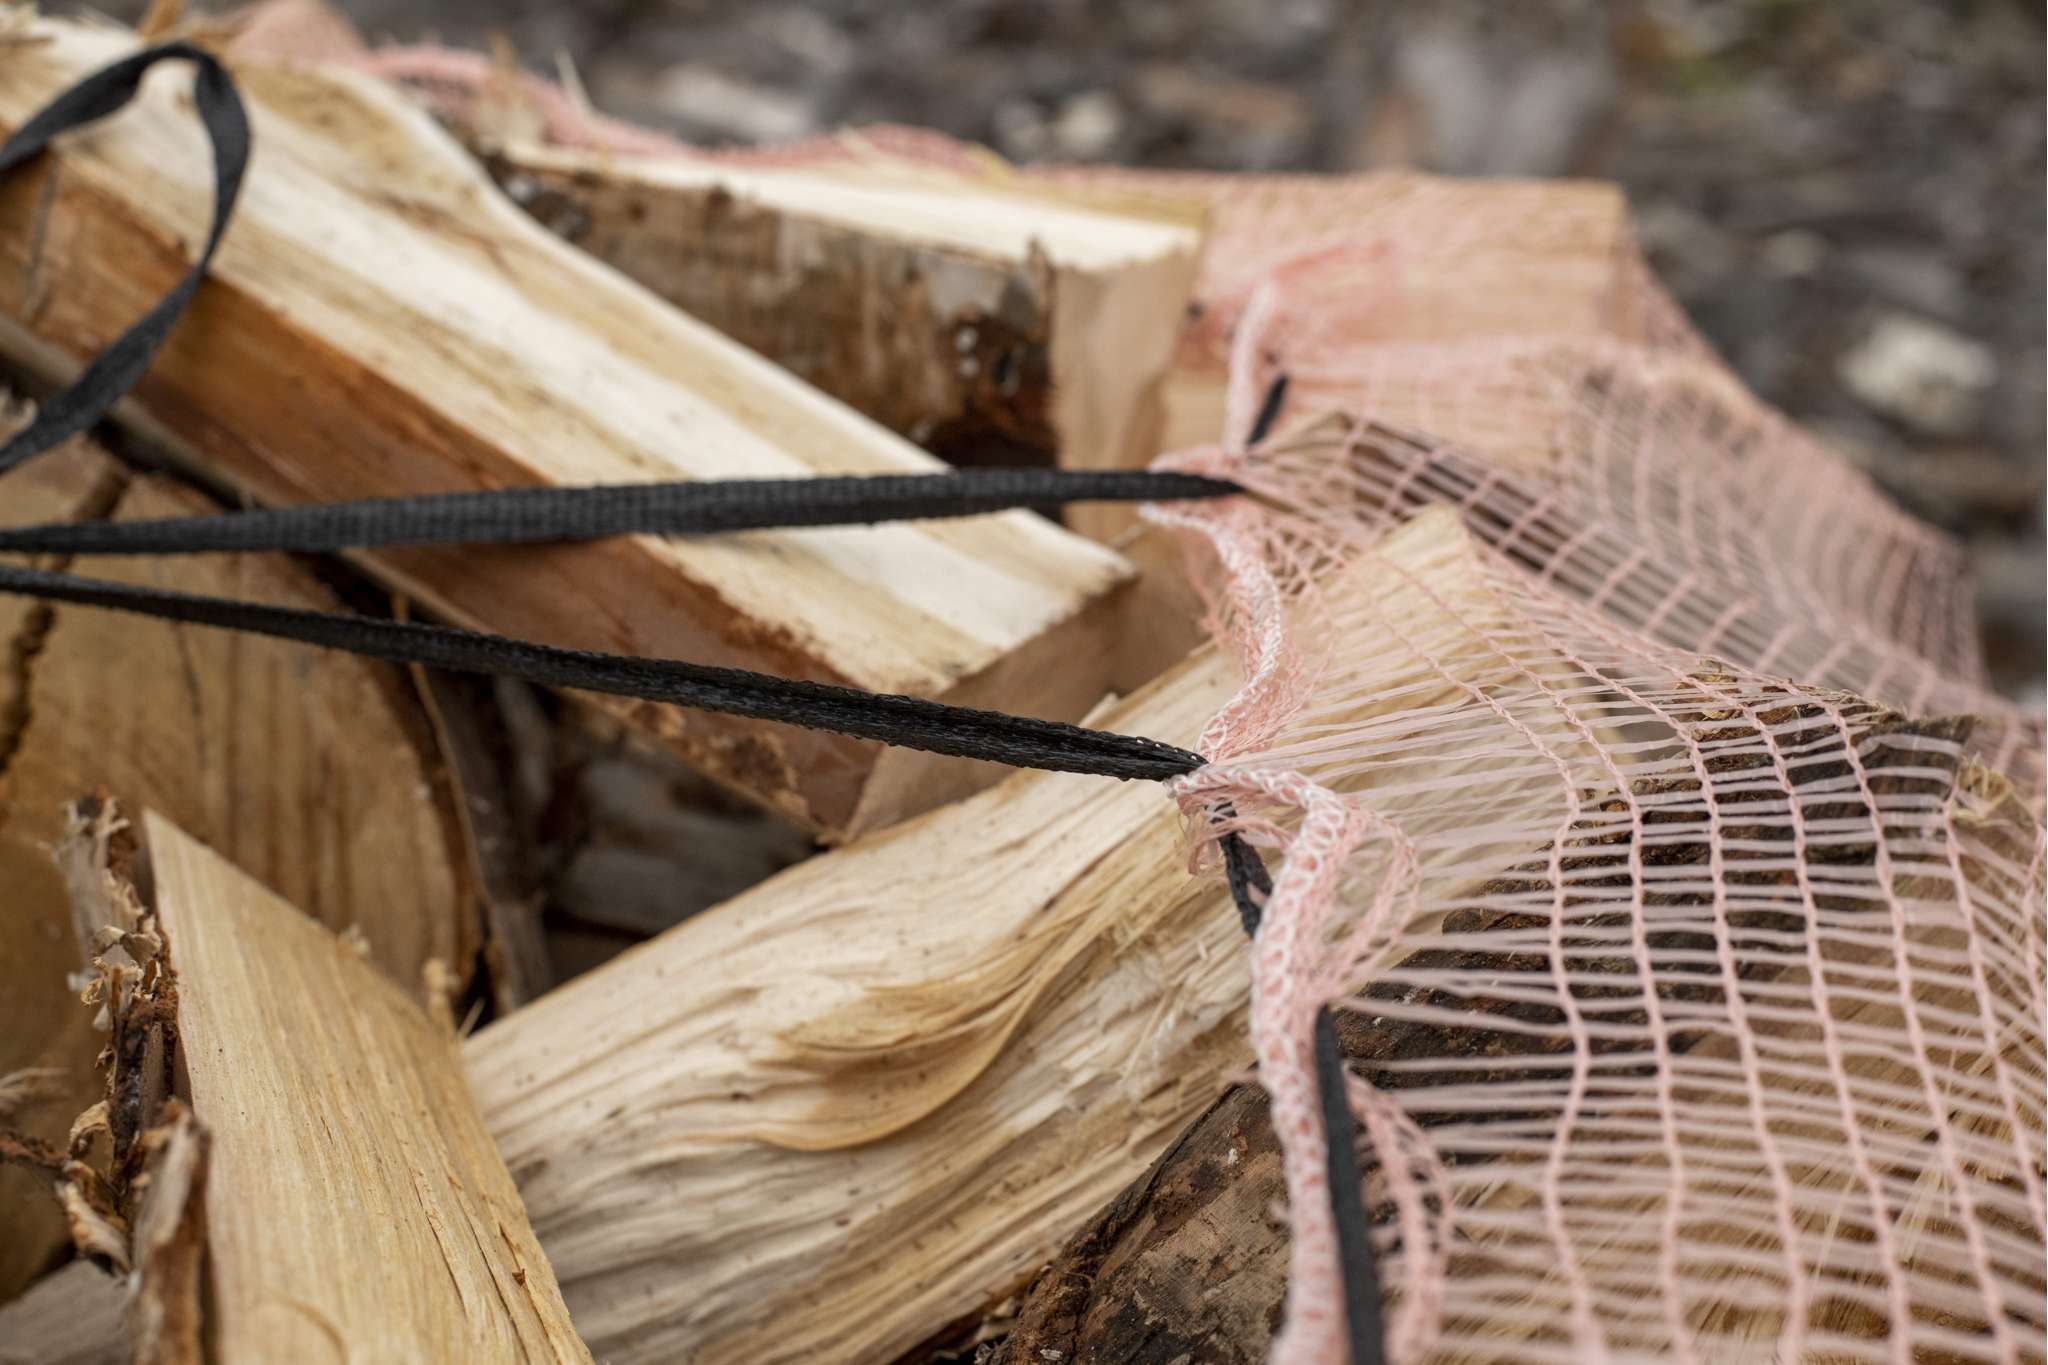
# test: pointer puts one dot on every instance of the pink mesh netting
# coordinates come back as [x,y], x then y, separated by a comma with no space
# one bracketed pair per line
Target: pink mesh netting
[1633,776]
[1706,1007]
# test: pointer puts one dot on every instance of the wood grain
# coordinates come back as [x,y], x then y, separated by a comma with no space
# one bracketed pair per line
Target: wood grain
[355,1207]
[315,772]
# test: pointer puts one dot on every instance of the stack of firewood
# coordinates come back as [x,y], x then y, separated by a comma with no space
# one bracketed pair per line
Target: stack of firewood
[967,1080]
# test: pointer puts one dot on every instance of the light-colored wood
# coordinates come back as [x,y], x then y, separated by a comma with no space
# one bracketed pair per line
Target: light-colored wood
[355,1207]
[315,772]
[872,1096]
[988,321]
[380,320]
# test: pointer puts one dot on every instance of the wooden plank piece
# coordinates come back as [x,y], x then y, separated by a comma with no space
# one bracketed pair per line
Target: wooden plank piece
[381,321]
[354,1205]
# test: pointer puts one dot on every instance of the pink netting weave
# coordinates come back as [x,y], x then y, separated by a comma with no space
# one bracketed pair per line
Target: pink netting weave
[1634,780]
[1706,1011]
[1704,985]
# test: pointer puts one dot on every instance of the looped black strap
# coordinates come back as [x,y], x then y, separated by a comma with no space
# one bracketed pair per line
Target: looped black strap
[87,399]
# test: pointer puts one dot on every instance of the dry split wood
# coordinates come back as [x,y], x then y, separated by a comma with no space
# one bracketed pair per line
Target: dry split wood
[865,1100]
[985,319]
[316,773]
[321,1167]
[381,321]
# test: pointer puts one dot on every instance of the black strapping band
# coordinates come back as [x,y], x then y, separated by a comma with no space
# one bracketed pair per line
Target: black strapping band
[514,516]
[912,722]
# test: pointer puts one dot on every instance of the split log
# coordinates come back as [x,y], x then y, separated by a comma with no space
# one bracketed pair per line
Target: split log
[987,320]
[317,774]
[321,1164]
[869,1097]
[381,321]
[1190,1260]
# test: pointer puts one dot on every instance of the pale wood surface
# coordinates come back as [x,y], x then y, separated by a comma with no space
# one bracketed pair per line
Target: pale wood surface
[314,771]
[381,320]
[871,1096]
[988,320]
[355,1207]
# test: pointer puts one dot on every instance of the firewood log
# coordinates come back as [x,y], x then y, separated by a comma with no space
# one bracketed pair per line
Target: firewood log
[283,1126]
[986,320]
[317,774]
[865,1100]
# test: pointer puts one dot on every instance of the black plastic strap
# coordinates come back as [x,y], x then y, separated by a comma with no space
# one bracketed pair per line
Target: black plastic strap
[86,399]
[528,515]
[1347,1198]
[1020,741]
[1249,882]
[1250,885]
[1269,410]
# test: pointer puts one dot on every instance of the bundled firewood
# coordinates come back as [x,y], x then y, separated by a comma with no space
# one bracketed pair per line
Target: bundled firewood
[1465,966]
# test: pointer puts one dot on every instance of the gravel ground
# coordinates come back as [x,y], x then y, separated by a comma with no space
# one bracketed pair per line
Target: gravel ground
[1847,198]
